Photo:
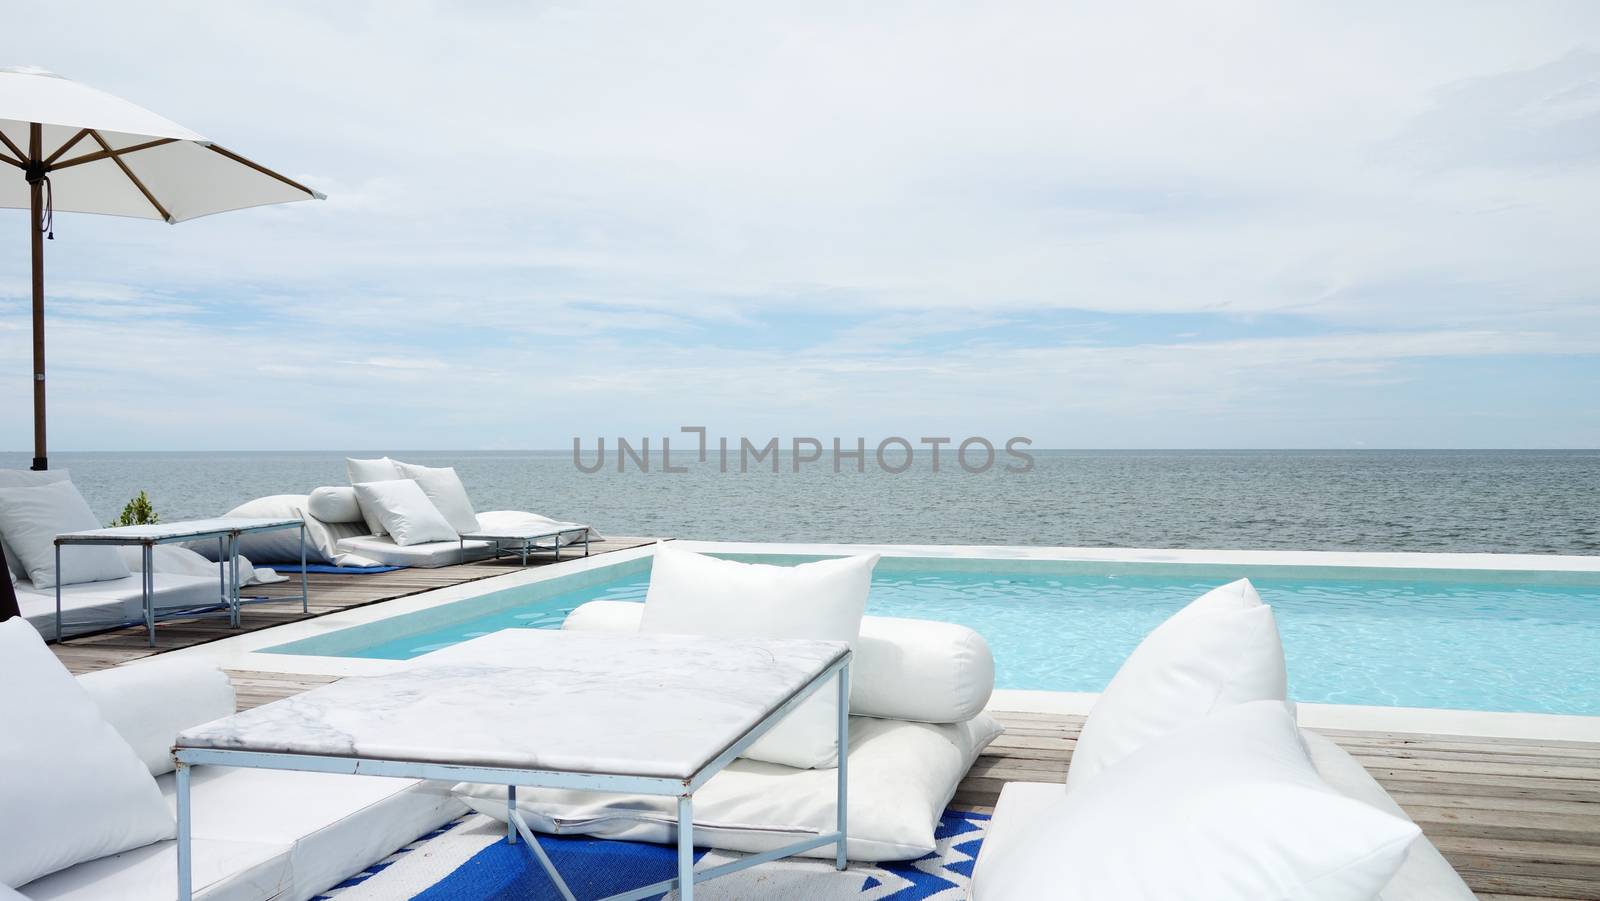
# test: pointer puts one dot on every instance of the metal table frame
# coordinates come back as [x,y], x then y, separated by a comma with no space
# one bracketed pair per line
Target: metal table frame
[517,827]
[227,538]
[527,542]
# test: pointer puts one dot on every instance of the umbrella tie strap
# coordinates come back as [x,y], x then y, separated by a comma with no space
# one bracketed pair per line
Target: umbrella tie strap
[47,219]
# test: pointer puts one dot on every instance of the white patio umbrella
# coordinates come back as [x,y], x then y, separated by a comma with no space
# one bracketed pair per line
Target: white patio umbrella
[80,150]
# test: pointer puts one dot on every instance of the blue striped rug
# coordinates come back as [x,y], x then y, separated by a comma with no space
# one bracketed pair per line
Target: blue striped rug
[468,860]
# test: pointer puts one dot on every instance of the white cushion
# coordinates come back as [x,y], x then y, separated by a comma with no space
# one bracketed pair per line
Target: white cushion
[444,488]
[322,536]
[904,669]
[177,560]
[379,470]
[264,835]
[381,549]
[223,871]
[73,789]
[25,478]
[281,546]
[1228,808]
[1424,875]
[407,514]
[90,604]
[901,777]
[335,503]
[151,701]
[1221,649]
[334,825]
[1020,806]
[31,518]
[693,594]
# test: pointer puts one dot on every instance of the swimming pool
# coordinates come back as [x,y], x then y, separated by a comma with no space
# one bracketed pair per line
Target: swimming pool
[1435,638]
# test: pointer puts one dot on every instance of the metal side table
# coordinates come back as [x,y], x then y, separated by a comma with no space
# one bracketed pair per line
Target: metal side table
[227,530]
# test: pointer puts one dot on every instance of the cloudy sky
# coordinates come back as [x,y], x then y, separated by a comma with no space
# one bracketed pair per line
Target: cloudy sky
[1232,224]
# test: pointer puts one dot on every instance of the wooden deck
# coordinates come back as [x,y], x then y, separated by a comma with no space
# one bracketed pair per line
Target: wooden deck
[1520,819]
[330,593]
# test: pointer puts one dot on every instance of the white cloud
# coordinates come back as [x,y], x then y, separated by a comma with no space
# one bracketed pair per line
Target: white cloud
[617,197]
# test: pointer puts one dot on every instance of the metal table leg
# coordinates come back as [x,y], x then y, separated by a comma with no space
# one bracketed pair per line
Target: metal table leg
[843,802]
[305,588]
[233,578]
[686,848]
[59,636]
[149,582]
[222,570]
[185,861]
[515,819]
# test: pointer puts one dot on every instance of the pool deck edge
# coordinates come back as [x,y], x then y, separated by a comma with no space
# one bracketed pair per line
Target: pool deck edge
[1412,720]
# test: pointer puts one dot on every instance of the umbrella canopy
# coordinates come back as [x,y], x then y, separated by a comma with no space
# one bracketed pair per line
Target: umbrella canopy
[76,149]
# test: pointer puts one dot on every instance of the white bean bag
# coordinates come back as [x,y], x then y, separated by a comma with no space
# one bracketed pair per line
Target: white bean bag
[1424,875]
[1226,808]
[1221,649]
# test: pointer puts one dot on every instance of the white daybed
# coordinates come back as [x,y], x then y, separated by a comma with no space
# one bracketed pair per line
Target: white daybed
[258,835]
[336,534]
[114,593]
[90,604]
[918,690]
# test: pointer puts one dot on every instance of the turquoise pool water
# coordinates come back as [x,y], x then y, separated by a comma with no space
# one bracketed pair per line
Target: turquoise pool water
[1368,637]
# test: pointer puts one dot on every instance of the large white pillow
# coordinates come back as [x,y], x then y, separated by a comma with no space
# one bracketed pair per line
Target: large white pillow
[444,488]
[379,470]
[1424,875]
[73,790]
[407,514]
[1228,808]
[31,518]
[150,702]
[904,669]
[1221,649]
[901,777]
[25,478]
[693,594]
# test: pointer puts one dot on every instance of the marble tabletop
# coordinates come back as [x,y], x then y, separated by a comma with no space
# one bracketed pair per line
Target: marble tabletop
[169,531]
[579,702]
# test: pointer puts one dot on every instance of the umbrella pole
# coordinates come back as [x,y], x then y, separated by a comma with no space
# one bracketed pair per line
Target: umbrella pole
[36,203]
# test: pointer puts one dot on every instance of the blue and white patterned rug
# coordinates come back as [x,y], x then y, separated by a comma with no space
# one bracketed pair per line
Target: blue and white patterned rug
[469,860]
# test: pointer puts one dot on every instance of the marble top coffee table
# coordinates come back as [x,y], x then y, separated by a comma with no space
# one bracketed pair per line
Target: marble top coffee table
[227,530]
[654,715]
